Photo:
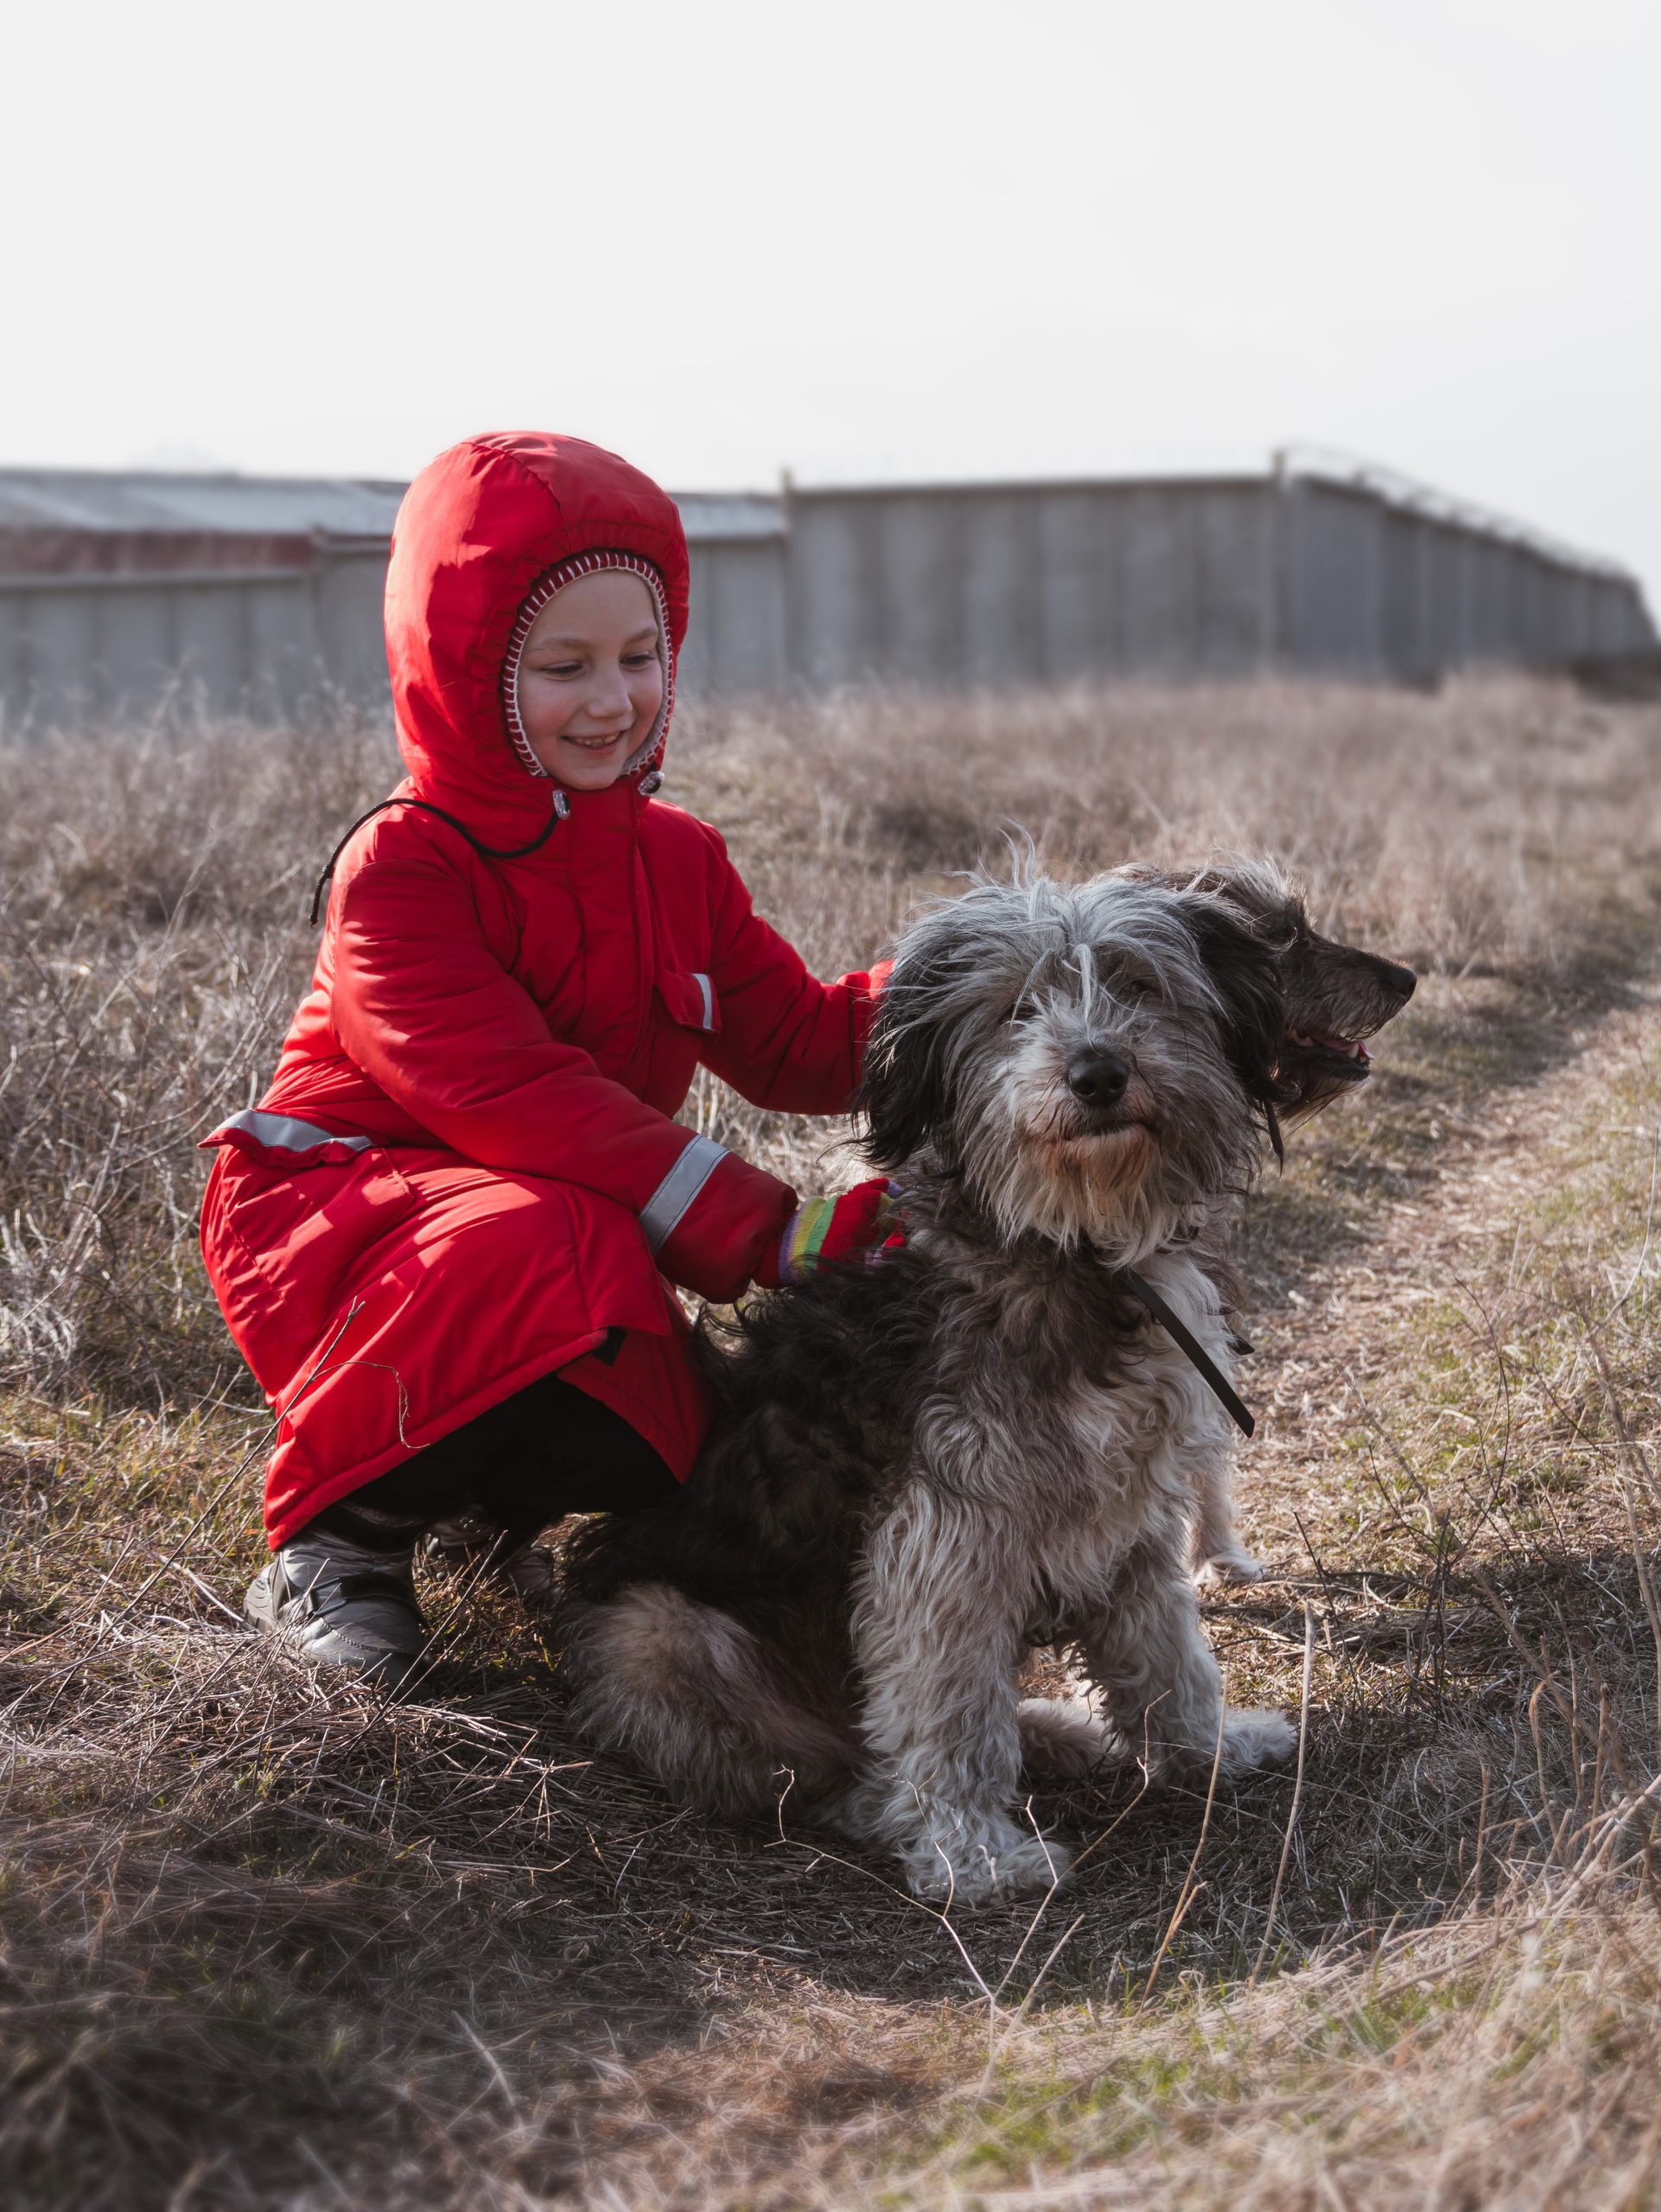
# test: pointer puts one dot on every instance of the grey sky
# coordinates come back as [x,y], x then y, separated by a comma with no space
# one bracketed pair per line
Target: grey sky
[865,241]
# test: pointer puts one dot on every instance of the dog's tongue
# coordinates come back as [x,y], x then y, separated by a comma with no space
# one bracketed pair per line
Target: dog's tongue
[1352,1048]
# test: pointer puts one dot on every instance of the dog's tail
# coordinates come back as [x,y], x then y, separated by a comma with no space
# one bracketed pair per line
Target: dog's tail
[697,1699]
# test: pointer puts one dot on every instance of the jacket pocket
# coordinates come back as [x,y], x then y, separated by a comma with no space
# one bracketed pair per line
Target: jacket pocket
[691,1000]
[279,1240]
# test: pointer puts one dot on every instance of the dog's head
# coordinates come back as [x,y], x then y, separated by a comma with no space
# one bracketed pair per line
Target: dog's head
[1336,995]
[1091,1062]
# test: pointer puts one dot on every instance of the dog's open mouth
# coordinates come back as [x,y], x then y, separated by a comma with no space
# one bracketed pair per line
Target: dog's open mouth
[1345,1054]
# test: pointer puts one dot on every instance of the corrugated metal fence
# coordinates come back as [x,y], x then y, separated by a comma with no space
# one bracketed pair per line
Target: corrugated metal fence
[263,642]
[1297,572]
[1302,569]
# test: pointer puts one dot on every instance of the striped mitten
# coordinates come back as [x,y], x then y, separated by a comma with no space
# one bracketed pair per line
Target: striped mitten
[862,1223]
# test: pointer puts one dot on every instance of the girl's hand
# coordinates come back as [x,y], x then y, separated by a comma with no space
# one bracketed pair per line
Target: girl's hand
[861,1224]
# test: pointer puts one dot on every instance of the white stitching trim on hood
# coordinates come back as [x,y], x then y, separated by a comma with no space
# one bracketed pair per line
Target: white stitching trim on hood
[566,572]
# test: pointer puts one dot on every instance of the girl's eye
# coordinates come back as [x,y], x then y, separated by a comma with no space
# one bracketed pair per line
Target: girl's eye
[642,660]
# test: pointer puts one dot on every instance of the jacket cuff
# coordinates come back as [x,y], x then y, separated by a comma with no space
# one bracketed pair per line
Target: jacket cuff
[867,990]
[714,1220]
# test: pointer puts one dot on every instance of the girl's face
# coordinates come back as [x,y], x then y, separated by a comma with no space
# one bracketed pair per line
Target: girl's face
[590,679]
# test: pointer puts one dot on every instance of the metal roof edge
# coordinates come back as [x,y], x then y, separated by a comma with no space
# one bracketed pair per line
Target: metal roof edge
[1394,488]
[55,470]
[970,487]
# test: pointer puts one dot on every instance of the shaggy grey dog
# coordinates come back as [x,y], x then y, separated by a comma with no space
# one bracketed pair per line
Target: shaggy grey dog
[923,1468]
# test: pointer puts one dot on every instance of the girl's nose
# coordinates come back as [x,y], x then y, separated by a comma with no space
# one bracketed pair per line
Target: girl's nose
[608,700]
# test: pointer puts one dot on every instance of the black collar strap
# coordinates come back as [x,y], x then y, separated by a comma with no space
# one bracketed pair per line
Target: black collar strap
[1275,1137]
[561,807]
[1215,1380]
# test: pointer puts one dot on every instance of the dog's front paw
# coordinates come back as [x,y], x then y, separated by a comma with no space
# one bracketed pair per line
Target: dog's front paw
[1229,1569]
[963,1869]
[1255,1736]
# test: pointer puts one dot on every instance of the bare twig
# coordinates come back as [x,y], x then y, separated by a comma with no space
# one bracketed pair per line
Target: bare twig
[1297,1790]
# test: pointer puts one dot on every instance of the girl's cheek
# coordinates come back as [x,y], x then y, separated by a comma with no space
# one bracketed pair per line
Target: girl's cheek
[647,698]
[543,710]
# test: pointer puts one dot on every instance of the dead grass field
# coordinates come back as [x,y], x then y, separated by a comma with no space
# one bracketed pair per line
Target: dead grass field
[264,1945]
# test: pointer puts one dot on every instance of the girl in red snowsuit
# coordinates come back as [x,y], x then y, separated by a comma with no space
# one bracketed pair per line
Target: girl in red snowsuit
[441,1240]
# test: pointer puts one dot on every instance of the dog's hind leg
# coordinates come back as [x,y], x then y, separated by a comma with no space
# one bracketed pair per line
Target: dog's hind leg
[938,1622]
[1219,1556]
[695,1697]
[1147,1654]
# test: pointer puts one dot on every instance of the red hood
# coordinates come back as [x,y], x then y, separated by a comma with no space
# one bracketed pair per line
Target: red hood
[477,530]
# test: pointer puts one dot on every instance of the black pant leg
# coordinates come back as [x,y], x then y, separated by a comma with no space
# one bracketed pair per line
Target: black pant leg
[547,1451]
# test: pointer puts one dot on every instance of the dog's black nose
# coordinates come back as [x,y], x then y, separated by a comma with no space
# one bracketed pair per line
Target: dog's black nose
[1399,979]
[1098,1076]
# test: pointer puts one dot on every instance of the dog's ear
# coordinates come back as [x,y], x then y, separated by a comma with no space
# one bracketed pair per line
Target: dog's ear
[903,1096]
[1246,968]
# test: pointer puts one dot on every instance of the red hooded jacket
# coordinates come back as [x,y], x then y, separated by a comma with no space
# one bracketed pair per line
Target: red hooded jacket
[465,1173]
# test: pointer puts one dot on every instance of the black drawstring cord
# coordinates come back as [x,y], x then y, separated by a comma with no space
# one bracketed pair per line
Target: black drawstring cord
[561,807]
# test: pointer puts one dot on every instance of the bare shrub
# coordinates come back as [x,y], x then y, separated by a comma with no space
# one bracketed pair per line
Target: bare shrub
[152,944]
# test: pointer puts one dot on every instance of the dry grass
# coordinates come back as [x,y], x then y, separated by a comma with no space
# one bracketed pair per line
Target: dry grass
[269,1946]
